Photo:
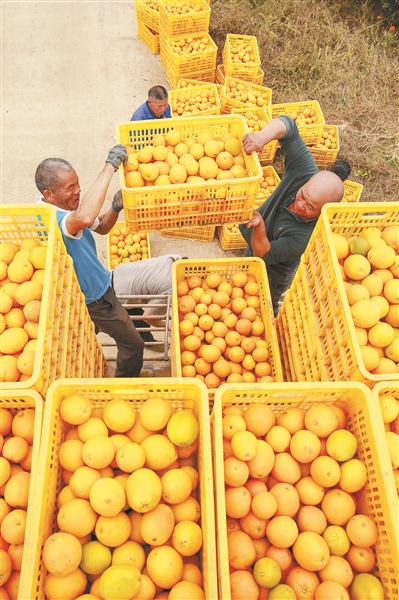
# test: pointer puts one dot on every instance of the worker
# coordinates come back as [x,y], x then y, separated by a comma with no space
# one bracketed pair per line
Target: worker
[58,184]
[280,229]
[156,107]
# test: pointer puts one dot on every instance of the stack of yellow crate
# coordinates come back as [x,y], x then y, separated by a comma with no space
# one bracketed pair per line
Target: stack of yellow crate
[147,17]
[186,48]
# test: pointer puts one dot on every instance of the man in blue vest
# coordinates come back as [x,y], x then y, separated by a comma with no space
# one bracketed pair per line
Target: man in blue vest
[156,107]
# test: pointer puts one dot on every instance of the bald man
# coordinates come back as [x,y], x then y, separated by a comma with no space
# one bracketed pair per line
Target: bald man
[280,229]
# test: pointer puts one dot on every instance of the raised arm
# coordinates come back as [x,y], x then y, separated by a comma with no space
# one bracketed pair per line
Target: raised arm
[254,142]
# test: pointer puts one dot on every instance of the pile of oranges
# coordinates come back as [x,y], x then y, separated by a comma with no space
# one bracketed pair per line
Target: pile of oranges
[183,8]
[369,265]
[21,287]
[174,159]
[241,52]
[127,247]
[128,515]
[327,141]
[244,92]
[221,331]
[16,444]
[292,481]
[190,45]
[193,101]
[305,117]
[267,186]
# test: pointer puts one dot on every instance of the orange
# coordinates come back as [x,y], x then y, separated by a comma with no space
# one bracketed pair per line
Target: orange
[279,438]
[62,553]
[338,506]
[362,531]
[263,462]
[259,418]
[325,471]
[236,471]
[311,551]
[282,556]
[82,480]
[353,475]
[255,486]
[238,501]
[77,517]
[264,504]
[282,531]
[13,526]
[98,451]
[361,560]
[244,445]
[267,572]
[241,550]
[309,491]
[113,531]
[303,582]
[292,418]
[119,415]
[15,449]
[191,343]
[338,570]
[357,266]
[231,423]
[254,526]
[5,566]
[305,446]
[287,499]
[176,486]
[243,585]
[16,490]
[75,409]
[189,510]
[331,590]
[186,304]
[186,590]
[107,497]
[66,586]
[165,566]
[321,420]
[286,468]
[157,525]
[311,518]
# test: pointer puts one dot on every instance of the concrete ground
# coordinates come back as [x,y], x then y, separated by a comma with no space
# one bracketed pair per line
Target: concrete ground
[71,71]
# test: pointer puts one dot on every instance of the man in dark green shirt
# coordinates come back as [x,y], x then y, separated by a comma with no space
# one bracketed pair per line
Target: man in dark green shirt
[280,229]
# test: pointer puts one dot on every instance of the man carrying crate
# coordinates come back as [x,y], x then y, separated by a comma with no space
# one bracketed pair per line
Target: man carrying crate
[280,229]
[58,184]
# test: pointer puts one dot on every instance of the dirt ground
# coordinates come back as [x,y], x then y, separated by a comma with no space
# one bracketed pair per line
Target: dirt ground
[71,71]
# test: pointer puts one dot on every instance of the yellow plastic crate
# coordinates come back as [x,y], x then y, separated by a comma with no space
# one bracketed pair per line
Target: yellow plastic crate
[200,234]
[36,221]
[356,401]
[146,15]
[187,93]
[181,394]
[204,76]
[309,133]
[109,253]
[149,37]
[316,301]
[187,64]
[189,204]
[268,152]
[190,83]
[352,191]
[325,157]
[221,76]
[240,69]
[182,269]
[393,390]
[181,24]
[263,195]
[16,401]
[227,104]
[230,240]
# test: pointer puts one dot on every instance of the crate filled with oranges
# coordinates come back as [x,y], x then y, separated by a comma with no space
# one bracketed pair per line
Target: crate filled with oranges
[182,16]
[198,100]
[325,150]
[241,56]
[230,237]
[340,314]
[189,83]
[87,518]
[238,93]
[268,184]
[149,37]
[190,55]
[325,522]
[123,246]
[352,191]
[222,325]
[198,234]
[307,115]
[147,13]
[257,118]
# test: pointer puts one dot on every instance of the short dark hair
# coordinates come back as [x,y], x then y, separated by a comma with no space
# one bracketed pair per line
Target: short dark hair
[158,92]
[342,169]
[46,177]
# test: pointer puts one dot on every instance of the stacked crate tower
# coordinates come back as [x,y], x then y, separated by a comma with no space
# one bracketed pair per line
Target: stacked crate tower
[186,48]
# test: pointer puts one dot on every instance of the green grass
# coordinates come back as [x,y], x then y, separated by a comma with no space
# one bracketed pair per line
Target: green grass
[339,54]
